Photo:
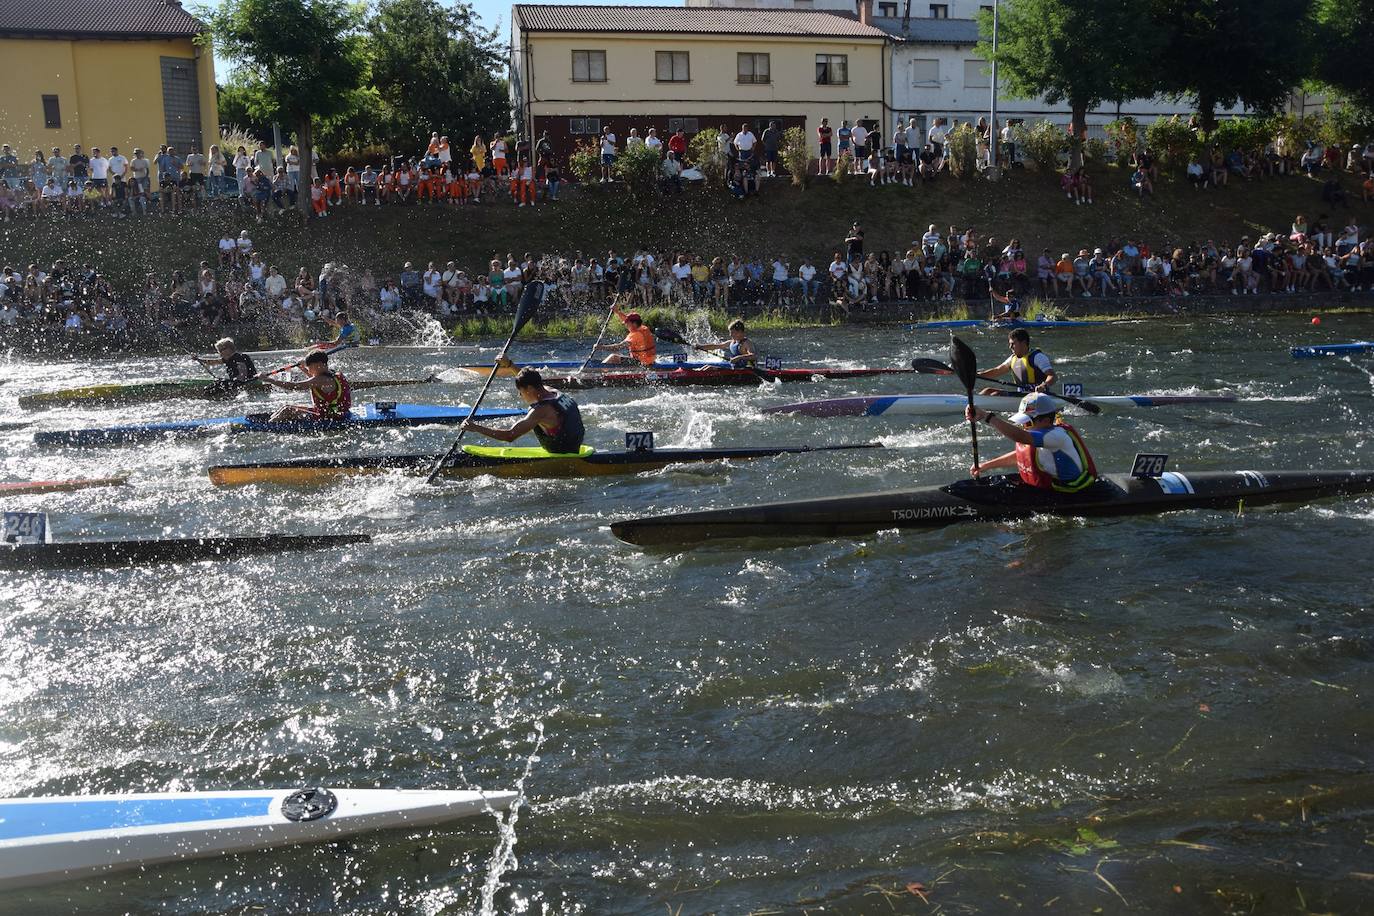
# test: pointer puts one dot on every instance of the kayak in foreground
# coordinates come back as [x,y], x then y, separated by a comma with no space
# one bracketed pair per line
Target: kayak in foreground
[1346,349]
[378,415]
[500,461]
[941,404]
[711,376]
[135,552]
[60,838]
[29,487]
[1010,324]
[995,499]
[114,395]
[514,368]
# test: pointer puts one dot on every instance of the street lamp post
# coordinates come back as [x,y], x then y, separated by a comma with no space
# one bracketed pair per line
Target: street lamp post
[992,126]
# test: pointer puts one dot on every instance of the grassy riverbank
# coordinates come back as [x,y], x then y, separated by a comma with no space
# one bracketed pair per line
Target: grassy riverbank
[794,222]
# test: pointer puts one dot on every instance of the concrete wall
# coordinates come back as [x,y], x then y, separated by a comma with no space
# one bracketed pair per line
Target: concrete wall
[109,92]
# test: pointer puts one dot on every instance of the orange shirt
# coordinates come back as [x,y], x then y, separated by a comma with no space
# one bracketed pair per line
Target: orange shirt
[643,347]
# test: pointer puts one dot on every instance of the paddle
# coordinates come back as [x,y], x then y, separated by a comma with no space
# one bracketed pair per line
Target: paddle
[965,365]
[615,303]
[935,367]
[181,341]
[672,336]
[524,311]
[298,363]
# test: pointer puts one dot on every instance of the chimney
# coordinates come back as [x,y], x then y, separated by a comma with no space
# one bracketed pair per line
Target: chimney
[866,12]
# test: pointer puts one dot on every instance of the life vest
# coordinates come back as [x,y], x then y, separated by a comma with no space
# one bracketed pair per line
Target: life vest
[1024,370]
[567,436]
[736,348]
[335,406]
[239,368]
[643,347]
[349,333]
[1036,476]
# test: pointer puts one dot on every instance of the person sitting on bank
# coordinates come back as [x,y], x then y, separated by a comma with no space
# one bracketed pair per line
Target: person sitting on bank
[639,341]
[739,349]
[1049,453]
[239,369]
[330,395]
[1030,369]
[553,417]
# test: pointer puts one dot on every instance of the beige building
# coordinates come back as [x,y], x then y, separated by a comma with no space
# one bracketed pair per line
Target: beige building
[575,69]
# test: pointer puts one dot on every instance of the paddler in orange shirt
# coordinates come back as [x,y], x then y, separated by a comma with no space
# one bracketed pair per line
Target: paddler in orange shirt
[639,341]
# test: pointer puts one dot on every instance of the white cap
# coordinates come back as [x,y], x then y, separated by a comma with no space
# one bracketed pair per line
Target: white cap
[1033,405]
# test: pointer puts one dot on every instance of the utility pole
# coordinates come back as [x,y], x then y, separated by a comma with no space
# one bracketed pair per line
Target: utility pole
[993,172]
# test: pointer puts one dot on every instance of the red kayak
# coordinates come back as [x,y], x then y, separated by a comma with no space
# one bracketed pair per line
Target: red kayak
[712,377]
[27,487]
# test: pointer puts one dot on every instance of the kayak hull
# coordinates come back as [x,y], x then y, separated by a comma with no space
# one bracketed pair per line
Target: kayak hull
[717,377]
[136,552]
[30,487]
[311,471]
[562,364]
[1027,323]
[45,840]
[946,404]
[1317,351]
[116,395]
[1000,498]
[373,417]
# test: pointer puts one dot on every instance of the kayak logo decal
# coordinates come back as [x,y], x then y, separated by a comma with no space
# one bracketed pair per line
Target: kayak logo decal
[1175,484]
[907,515]
[1254,479]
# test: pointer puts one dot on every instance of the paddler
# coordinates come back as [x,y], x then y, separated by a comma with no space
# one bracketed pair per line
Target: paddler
[239,369]
[330,395]
[1049,453]
[553,417]
[1031,369]
[346,333]
[739,349]
[639,341]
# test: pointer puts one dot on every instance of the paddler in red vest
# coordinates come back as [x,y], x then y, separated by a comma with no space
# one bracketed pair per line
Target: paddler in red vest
[553,417]
[1030,369]
[330,396]
[639,341]
[1049,453]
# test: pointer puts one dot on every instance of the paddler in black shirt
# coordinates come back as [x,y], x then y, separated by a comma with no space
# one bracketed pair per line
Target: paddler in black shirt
[553,417]
[239,369]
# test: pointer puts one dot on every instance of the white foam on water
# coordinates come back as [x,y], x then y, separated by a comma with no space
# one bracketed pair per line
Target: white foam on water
[503,856]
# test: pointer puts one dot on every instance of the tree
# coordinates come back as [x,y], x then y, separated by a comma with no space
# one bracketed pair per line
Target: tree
[297,60]
[433,67]
[1344,42]
[1082,52]
[1226,52]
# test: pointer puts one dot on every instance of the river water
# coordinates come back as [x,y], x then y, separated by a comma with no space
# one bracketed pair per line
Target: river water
[1170,714]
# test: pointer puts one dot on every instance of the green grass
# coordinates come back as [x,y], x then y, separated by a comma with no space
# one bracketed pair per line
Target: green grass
[794,222]
[585,326]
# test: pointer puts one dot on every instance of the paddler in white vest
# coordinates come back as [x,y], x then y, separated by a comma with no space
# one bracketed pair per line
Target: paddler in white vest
[1049,453]
[1030,369]
[553,417]
[739,349]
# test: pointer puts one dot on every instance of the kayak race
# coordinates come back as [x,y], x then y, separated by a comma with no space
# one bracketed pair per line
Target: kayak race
[449,467]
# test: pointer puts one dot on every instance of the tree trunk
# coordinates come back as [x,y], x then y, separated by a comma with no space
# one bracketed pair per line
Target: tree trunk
[1207,113]
[305,145]
[1078,123]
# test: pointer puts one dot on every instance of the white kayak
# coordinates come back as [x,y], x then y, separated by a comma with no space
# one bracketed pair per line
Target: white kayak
[59,838]
[944,404]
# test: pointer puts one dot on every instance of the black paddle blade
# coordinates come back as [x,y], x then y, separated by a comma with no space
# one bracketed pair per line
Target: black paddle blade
[529,304]
[670,336]
[964,362]
[930,366]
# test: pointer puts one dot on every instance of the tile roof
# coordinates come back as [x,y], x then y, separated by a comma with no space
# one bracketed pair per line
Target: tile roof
[931,31]
[689,19]
[98,18]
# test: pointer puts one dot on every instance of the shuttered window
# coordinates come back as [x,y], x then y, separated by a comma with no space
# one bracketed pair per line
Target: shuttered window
[181,102]
[52,112]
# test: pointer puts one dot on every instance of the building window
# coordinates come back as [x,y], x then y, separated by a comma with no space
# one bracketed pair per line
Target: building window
[754,68]
[975,77]
[582,126]
[985,8]
[589,66]
[672,67]
[939,11]
[686,125]
[889,10]
[925,73]
[832,69]
[52,113]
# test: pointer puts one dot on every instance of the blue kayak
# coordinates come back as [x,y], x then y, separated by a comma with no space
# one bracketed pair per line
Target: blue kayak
[1346,349]
[1004,325]
[373,416]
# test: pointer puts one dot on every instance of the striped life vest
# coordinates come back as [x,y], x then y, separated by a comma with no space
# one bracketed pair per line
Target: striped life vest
[335,406]
[1036,476]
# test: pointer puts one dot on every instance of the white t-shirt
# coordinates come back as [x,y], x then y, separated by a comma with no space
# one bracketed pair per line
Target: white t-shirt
[276,285]
[118,165]
[244,244]
[682,271]
[511,275]
[859,135]
[632,141]
[226,244]
[653,143]
[498,149]
[838,269]
[432,279]
[52,192]
[937,134]
[744,141]
[608,144]
[806,272]
[100,167]
[779,270]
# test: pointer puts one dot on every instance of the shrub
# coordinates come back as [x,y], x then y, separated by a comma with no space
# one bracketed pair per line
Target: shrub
[1249,135]
[1172,140]
[844,167]
[231,137]
[704,153]
[796,155]
[585,162]
[1042,144]
[1124,134]
[638,166]
[1345,125]
[1095,152]
[1292,134]
[961,148]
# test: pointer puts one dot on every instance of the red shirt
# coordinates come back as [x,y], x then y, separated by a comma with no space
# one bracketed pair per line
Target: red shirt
[677,143]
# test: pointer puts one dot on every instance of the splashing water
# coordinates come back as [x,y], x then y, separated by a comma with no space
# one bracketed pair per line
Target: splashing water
[503,856]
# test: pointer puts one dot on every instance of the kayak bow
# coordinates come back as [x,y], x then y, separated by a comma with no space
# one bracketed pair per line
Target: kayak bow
[514,368]
[943,404]
[114,395]
[1346,349]
[503,461]
[1000,498]
[28,487]
[60,838]
[111,554]
[713,376]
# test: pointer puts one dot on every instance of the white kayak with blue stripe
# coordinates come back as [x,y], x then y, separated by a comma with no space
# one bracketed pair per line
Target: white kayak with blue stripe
[1317,351]
[59,838]
[945,404]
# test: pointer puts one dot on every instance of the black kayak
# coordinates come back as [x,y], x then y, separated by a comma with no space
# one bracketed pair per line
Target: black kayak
[994,499]
[109,554]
